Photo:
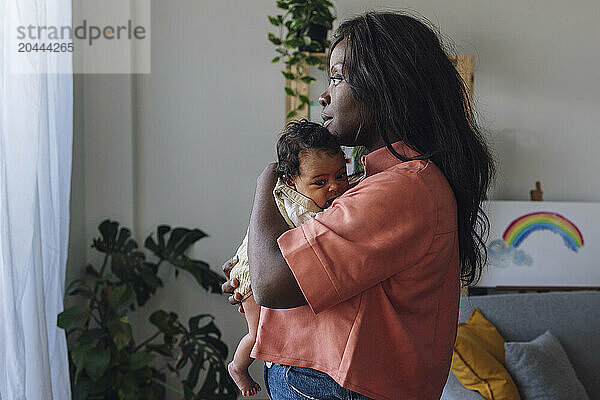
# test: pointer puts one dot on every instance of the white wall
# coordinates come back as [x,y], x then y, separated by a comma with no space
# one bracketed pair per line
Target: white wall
[207,119]
[183,145]
[537,85]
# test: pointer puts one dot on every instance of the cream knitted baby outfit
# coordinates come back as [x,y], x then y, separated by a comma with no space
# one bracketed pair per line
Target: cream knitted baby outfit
[295,208]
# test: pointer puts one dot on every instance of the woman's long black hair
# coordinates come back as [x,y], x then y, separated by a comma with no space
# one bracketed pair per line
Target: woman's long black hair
[396,66]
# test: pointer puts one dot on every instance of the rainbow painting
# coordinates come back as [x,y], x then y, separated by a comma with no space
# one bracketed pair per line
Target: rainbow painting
[523,226]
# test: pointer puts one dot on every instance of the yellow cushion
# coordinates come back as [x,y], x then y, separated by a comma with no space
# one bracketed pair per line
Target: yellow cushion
[478,359]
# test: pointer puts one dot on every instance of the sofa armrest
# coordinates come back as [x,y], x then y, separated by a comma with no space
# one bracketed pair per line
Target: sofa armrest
[454,390]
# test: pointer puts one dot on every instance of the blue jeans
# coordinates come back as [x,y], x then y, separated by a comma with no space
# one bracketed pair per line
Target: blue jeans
[284,382]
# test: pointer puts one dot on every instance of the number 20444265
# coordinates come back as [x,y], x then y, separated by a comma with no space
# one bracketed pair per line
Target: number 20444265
[26,47]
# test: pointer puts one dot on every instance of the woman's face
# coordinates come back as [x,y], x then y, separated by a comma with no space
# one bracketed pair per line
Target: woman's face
[343,115]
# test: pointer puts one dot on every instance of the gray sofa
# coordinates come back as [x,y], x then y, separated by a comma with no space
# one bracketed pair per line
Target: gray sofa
[573,317]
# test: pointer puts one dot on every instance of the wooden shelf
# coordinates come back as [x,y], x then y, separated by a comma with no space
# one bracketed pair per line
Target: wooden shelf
[322,56]
[302,88]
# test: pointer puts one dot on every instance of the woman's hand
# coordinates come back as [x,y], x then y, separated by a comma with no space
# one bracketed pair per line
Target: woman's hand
[229,286]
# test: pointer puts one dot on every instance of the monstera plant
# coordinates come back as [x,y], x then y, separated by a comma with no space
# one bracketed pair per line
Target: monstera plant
[105,360]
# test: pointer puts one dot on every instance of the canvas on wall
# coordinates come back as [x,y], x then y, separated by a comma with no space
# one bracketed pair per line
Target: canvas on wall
[543,243]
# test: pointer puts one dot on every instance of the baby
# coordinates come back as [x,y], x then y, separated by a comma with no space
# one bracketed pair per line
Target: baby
[312,173]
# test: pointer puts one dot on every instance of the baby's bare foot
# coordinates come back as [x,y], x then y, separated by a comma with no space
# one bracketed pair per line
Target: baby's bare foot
[243,380]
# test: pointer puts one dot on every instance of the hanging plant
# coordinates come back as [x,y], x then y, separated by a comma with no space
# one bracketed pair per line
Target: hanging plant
[302,30]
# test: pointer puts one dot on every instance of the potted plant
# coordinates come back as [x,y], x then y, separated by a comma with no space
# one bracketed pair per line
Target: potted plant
[105,361]
[303,29]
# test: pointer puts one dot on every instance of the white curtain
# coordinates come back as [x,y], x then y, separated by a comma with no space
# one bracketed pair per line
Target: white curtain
[36,126]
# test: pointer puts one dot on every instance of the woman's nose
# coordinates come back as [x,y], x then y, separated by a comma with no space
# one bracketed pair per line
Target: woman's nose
[324,98]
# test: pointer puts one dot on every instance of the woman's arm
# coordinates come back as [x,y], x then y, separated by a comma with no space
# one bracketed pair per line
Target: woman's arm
[273,283]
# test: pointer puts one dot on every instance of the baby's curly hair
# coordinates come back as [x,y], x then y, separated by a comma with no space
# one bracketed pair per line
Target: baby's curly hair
[300,136]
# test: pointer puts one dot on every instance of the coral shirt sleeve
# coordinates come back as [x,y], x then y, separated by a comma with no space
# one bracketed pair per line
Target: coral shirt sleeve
[377,229]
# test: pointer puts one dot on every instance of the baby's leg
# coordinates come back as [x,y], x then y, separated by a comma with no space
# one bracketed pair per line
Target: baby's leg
[238,368]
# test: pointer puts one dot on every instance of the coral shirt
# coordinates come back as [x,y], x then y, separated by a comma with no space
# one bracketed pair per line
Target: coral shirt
[380,272]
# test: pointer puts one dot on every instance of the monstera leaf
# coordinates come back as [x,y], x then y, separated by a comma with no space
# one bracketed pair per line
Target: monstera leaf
[173,250]
[201,346]
[109,243]
[127,263]
[204,344]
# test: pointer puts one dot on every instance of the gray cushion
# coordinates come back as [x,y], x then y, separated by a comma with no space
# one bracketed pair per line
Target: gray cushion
[572,316]
[542,370]
[455,390]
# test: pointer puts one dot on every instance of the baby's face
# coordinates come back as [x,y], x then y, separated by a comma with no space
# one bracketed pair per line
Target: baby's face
[322,176]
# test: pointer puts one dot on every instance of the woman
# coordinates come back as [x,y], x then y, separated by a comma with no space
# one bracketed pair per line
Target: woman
[362,302]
